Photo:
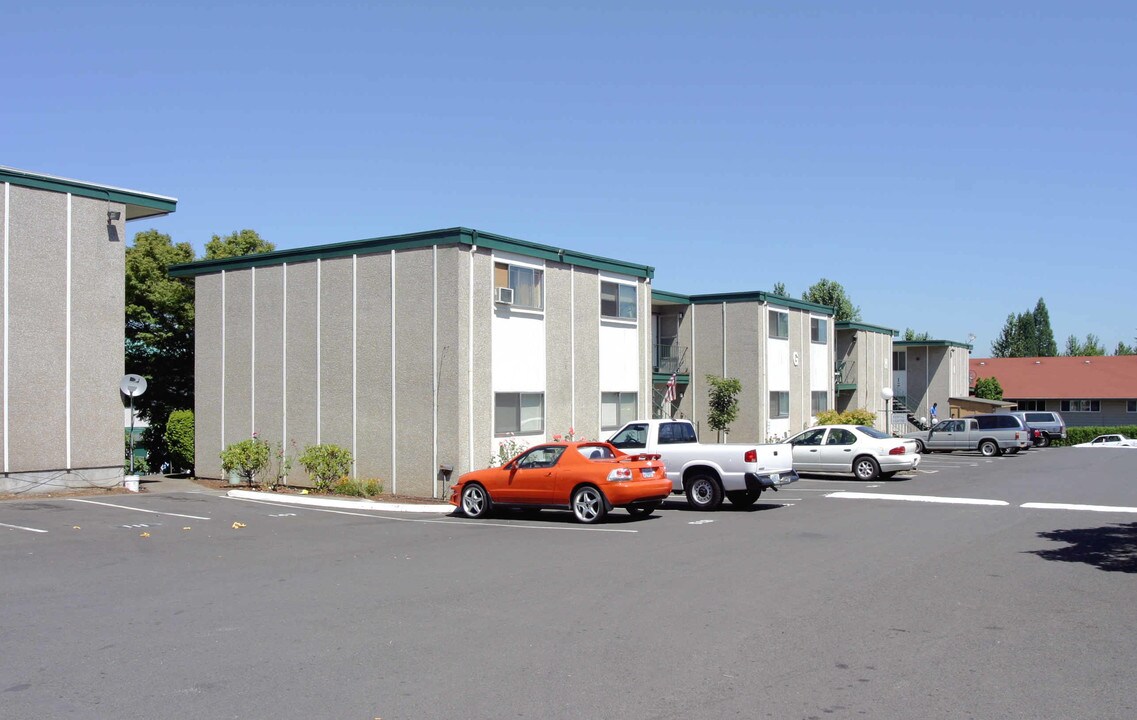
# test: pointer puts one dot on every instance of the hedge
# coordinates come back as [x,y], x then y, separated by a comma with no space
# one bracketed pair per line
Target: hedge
[1076,435]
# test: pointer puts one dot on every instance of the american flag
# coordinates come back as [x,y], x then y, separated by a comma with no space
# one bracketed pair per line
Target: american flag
[670,394]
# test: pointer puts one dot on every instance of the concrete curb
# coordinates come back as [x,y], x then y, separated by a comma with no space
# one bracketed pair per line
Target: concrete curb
[327,502]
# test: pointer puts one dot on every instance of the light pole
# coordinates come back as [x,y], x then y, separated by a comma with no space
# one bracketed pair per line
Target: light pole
[886,395]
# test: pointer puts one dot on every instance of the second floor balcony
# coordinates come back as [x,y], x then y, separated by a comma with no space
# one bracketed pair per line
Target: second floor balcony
[668,358]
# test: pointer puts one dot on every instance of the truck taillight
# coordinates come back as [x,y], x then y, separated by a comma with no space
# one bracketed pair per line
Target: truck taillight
[898,450]
[751,456]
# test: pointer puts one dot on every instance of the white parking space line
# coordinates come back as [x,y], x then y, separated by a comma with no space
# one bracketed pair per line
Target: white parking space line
[916,498]
[454,521]
[1091,508]
[127,507]
[21,527]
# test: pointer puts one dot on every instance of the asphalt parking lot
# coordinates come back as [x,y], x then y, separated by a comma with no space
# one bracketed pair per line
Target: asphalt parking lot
[975,587]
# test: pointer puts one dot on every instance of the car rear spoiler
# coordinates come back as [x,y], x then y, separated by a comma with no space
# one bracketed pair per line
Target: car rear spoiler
[642,457]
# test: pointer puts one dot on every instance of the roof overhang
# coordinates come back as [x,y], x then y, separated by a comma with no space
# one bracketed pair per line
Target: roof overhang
[138,204]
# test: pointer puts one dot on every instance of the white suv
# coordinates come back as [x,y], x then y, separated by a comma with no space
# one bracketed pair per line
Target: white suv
[1050,424]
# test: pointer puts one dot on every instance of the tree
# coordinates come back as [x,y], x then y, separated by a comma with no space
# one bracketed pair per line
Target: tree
[780,289]
[179,440]
[1091,347]
[1026,337]
[831,294]
[1043,334]
[1004,345]
[724,402]
[988,388]
[910,335]
[159,332]
[242,242]
[1123,349]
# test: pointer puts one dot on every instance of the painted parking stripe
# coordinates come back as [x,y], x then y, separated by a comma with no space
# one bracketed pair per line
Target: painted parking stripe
[1091,508]
[21,527]
[127,507]
[454,521]
[916,498]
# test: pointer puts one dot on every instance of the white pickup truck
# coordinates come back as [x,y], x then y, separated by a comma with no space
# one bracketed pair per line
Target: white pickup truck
[708,472]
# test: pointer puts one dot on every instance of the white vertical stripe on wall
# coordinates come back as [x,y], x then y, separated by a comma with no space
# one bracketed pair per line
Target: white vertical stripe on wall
[572,346]
[7,231]
[253,352]
[394,372]
[354,358]
[434,368]
[67,345]
[319,347]
[284,355]
[223,372]
[469,359]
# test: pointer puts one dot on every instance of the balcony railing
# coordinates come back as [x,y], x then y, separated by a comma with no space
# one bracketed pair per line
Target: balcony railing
[669,358]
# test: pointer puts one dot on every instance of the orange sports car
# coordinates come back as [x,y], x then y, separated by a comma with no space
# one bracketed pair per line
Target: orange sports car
[589,478]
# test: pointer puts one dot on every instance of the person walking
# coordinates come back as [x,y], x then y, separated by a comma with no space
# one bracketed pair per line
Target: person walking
[932,412]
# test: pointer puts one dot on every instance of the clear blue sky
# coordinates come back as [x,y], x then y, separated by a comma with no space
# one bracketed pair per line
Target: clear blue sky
[947,166]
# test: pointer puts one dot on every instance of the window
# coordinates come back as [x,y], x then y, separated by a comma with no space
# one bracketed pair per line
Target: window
[779,324]
[618,300]
[1032,404]
[1081,406]
[820,401]
[1131,406]
[779,404]
[677,433]
[541,457]
[632,437]
[616,409]
[840,436]
[521,413]
[818,330]
[810,437]
[899,360]
[526,283]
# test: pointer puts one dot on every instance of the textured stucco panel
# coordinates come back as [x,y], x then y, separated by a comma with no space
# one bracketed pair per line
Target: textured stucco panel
[301,357]
[268,355]
[743,348]
[336,346]
[373,440]
[208,376]
[450,295]
[707,352]
[238,290]
[558,349]
[586,323]
[37,330]
[414,370]
[97,300]
[481,311]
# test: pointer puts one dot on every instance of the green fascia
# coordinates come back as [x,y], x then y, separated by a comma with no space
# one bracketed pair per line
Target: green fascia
[929,343]
[664,377]
[851,325]
[450,236]
[845,387]
[761,297]
[670,298]
[138,204]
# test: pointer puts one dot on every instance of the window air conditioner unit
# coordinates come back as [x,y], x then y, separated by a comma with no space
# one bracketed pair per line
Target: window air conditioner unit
[503,296]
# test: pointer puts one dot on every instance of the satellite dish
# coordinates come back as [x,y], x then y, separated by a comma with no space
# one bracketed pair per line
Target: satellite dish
[132,385]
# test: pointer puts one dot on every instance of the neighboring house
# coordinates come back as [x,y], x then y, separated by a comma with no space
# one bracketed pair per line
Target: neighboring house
[63,332]
[1087,391]
[781,349]
[926,372]
[864,353]
[420,353]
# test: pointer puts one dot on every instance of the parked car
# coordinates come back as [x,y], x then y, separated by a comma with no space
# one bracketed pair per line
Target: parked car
[1111,440]
[862,451]
[1049,424]
[991,434]
[589,478]
[708,471]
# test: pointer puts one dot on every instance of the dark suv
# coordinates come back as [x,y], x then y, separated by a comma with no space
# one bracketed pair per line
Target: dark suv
[1049,424]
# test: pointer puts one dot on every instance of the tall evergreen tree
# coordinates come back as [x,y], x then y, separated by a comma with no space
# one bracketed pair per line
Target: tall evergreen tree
[1005,344]
[1123,349]
[1026,338]
[1046,346]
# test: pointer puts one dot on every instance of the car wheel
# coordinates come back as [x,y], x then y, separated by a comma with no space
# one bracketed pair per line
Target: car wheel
[1043,441]
[588,505]
[920,449]
[865,468]
[704,493]
[642,510]
[989,448]
[475,501]
[743,498]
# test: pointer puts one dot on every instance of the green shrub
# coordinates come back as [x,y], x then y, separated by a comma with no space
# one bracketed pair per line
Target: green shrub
[247,458]
[1076,435]
[179,440]
[372,487]
[325,464]
[860,416]
[347,486]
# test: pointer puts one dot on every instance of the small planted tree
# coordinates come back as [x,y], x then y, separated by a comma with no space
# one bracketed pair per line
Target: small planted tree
[724,403]
[246,458]
[988,388]
[325,464]
[179,440]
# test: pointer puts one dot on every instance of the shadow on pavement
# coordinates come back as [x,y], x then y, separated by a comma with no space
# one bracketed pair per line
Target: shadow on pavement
[1112,548]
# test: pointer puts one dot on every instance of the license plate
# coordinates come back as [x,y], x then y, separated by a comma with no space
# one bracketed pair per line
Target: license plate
[775,477]
[649,472]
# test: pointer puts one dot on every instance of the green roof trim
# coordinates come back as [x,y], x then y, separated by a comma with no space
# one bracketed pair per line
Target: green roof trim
[929,343]
[680,378]
[852,325]
[845,387]
[761,296]
[138,204]
[663,296]
[449,236]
